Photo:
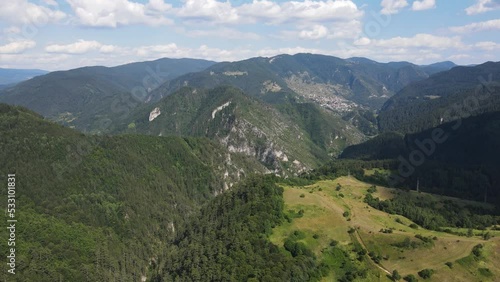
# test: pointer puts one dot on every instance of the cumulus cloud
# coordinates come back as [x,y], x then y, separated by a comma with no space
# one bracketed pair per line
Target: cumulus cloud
[24,12]
[17,47]
[316,32]
[80,47]
[306,11]
[208,10]
[487,45]
[423,5]
[421,40]
[113,13]
[482,6]
[392,6]
[479,26]
[172,50]
[269,12]
[362,41]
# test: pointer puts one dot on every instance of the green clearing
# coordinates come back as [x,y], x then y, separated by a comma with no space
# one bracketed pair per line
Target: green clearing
[323,204]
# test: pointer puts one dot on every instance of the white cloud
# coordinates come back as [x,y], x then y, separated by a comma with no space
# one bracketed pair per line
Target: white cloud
[487,45]
[421,40]
[423,5]
[171,50]
[24,12]
[479,26]
[362,41]
[348,29]
[107,49]
[158,5]
[80,47]
[392,6]
[208,10]
[482,6]
[113,13]
[304,11]
[269,12]
[17,47]
[316,32]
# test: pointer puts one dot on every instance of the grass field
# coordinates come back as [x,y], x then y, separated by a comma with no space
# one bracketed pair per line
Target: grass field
[330,208]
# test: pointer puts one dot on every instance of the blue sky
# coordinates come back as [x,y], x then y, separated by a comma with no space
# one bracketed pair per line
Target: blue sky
[64,34]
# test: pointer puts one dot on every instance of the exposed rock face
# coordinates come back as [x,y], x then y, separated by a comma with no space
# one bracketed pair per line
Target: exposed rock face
[220,108]
[154,114]
[270,86]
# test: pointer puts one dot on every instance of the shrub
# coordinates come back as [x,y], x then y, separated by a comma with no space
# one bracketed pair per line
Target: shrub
[395,275]
[372,189]
[426,273]
[410,278]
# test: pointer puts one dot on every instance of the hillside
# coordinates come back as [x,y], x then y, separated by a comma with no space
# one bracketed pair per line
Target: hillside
[90,98]
[446,96]
[332,219]
[338,84]
[97,208]
[289,138]
[329,231]
[463,162]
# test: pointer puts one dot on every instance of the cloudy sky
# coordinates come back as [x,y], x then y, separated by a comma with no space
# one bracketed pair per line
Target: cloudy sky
[63,34]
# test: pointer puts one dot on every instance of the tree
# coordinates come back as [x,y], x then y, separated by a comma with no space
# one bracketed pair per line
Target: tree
[395,275]
[426,273]
[410,278]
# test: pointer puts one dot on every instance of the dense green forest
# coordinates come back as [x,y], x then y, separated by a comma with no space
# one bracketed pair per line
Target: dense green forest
[90,98]
[444,97]
[462,163]
[99,208]
[227,241]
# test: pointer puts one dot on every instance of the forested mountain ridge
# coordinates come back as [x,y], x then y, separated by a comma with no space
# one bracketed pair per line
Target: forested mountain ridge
[458,158]
[338,84]
[288,138]
[90,98]
[458,93]
[99,208]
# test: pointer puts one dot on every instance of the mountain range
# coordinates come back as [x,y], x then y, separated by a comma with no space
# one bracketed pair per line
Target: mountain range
[291,113]
[266,169]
